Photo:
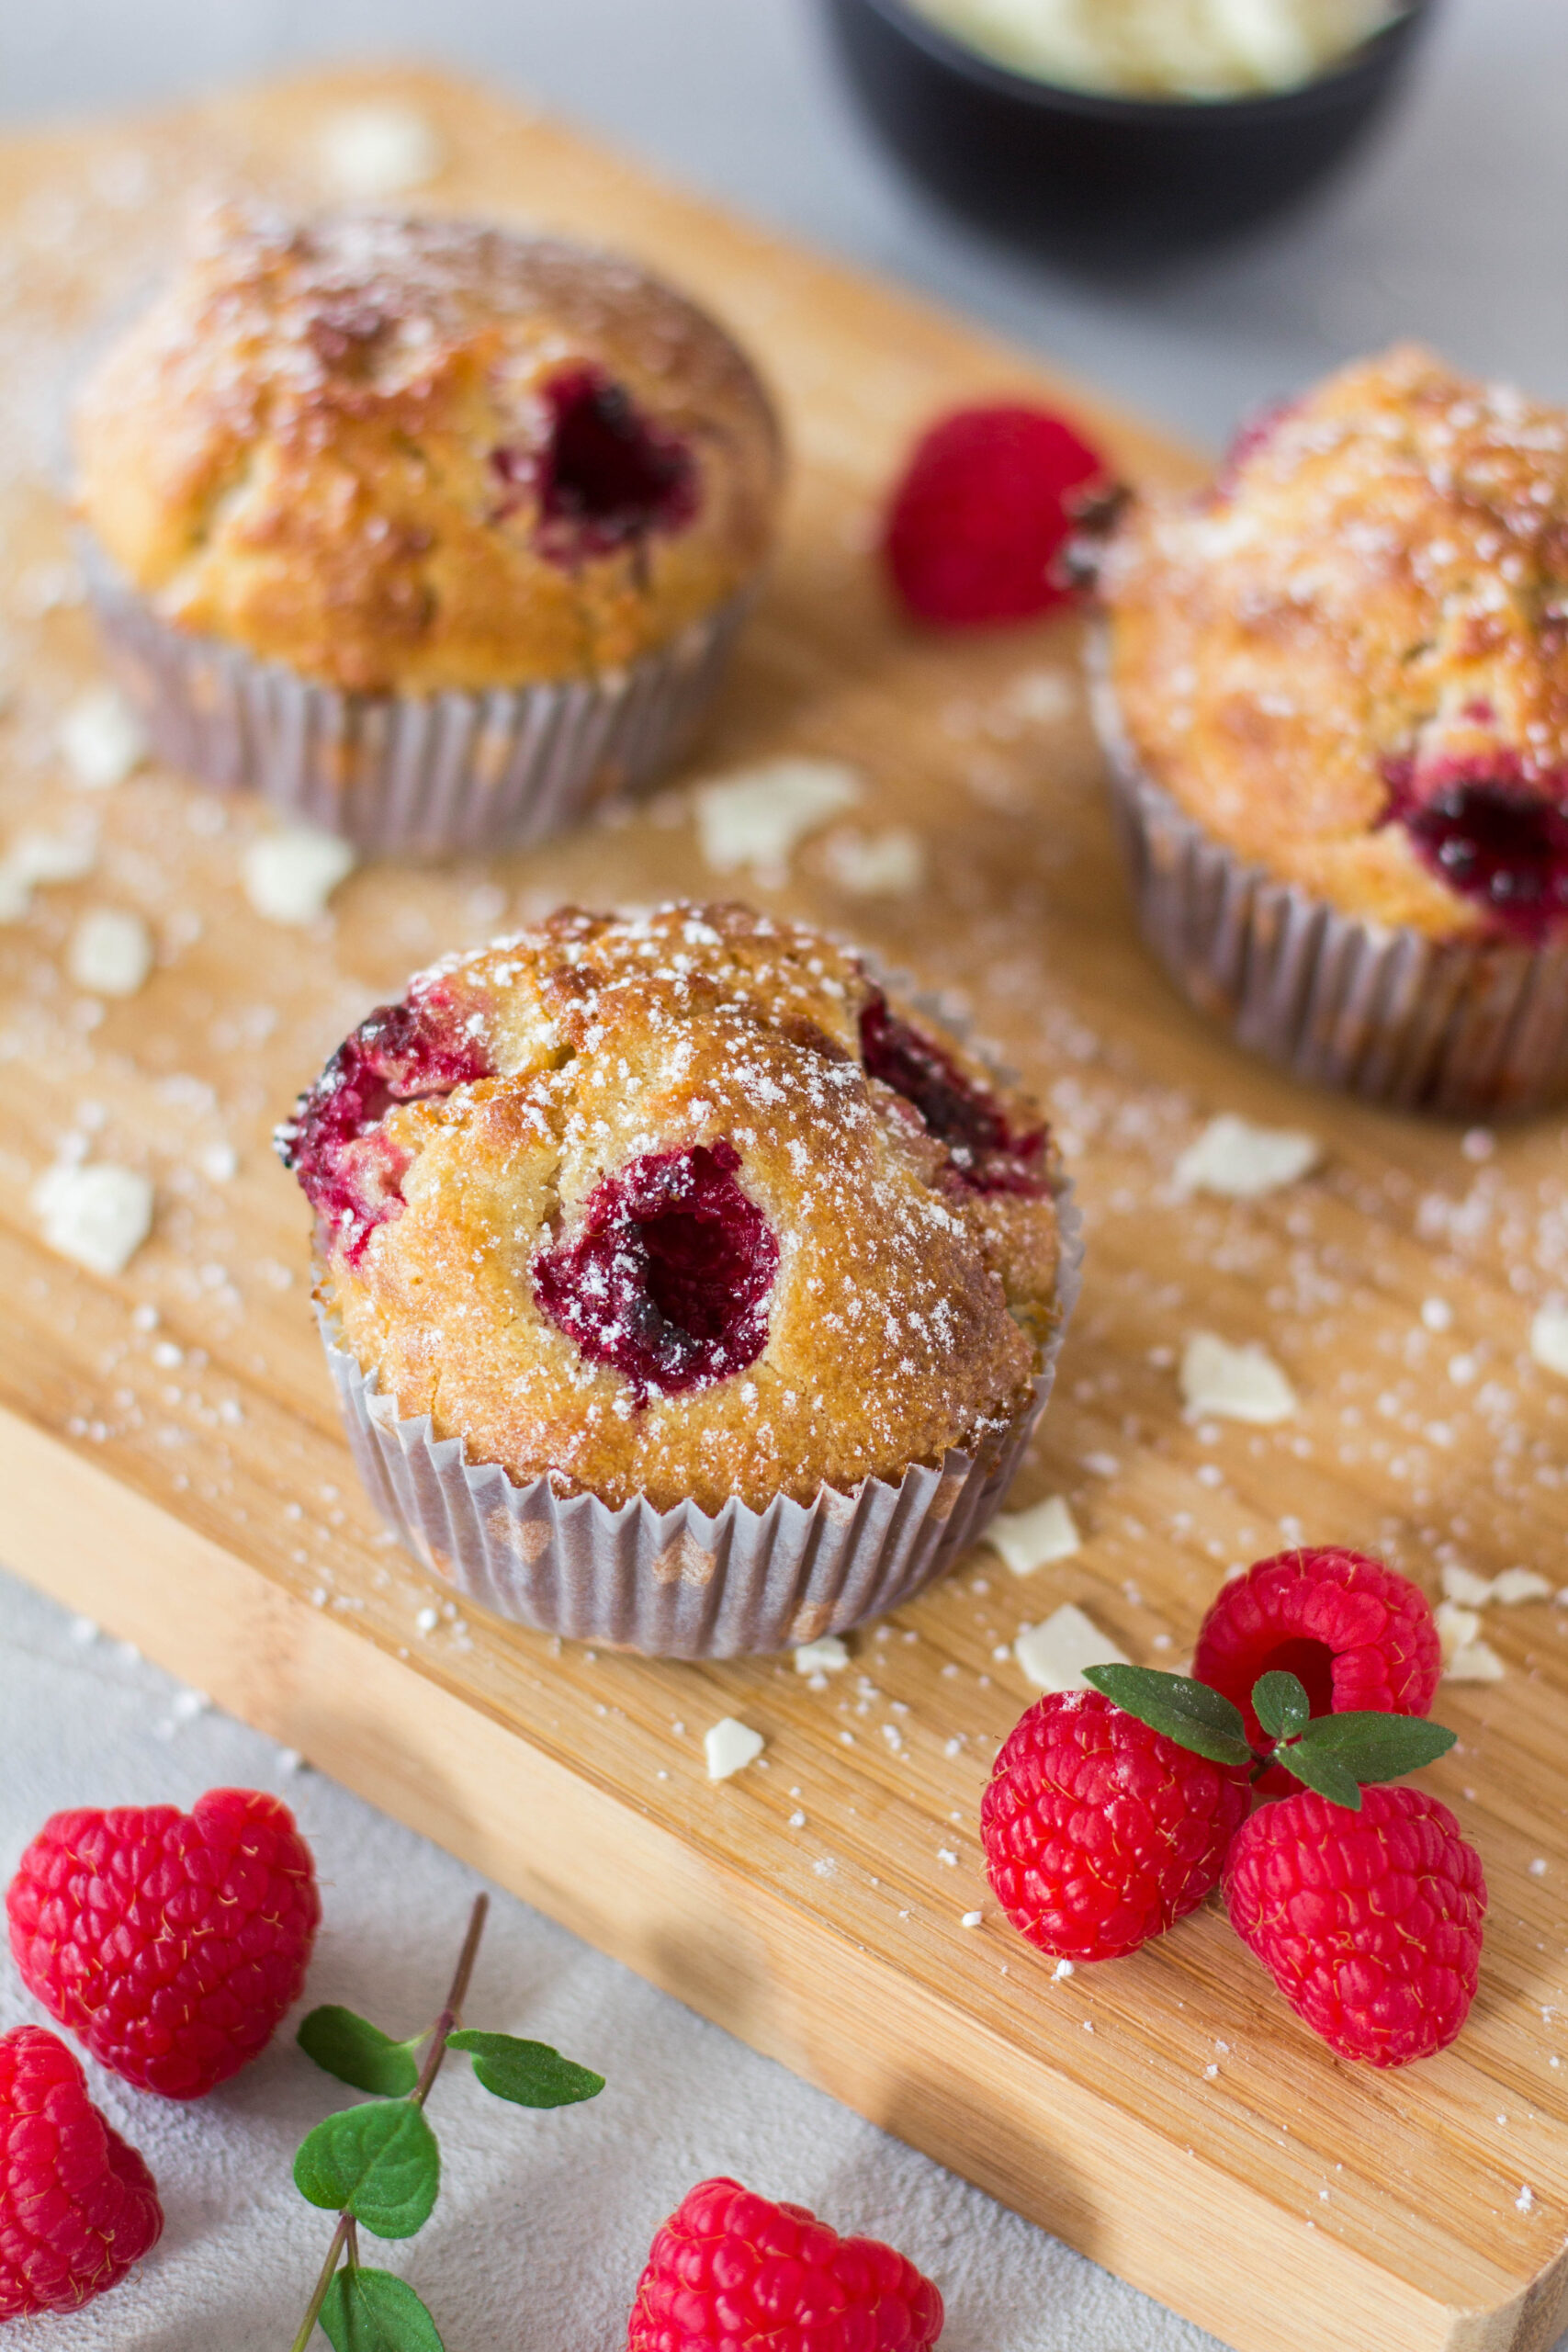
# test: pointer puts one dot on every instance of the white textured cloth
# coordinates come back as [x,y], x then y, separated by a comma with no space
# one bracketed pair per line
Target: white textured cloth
[544,2220]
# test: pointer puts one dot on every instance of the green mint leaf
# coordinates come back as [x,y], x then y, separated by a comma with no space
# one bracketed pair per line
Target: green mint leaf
[530,2074]
[1322,1773]
[369,2310]
[378,2163]
[1281,1705]
[1187,1711]
[1372,1747]
[358,2052]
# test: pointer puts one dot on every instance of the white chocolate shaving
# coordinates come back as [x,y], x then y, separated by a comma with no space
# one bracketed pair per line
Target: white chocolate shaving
[288,877]
[1033,1539]
[729,1747]
[1231,1383]
[101,740]
[1240,1162]
[758,817]
[95,1213]
[1055,1654]
[110,952]
[379,149]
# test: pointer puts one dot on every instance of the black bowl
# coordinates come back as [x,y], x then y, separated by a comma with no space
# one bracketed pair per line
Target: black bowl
[1104,180]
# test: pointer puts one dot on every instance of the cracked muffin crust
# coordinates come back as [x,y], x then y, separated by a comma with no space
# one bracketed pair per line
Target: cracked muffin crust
[1348,659]
[680,1205]
[408,455]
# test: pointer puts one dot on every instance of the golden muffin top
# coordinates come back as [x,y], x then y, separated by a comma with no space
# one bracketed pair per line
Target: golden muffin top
[1348,659]
[402,455]
[680,1205]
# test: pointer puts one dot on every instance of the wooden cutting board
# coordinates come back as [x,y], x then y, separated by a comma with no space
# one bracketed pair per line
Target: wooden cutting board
[186,1484]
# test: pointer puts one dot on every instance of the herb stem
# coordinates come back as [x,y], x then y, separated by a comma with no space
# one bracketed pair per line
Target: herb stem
[340,2239]
[446,2023]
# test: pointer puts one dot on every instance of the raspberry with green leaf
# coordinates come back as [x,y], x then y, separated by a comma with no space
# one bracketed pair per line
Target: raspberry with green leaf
[1363,1902]
[1356,1636]
[1099,1830]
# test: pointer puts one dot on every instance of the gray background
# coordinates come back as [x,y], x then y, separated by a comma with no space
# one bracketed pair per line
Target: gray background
[1452,228]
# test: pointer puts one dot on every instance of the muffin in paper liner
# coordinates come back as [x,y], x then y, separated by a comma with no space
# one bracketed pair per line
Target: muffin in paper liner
[684,1583]
[401,775]
[1466,1028]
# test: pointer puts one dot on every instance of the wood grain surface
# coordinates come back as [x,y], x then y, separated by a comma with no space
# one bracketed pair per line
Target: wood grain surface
[185,1484]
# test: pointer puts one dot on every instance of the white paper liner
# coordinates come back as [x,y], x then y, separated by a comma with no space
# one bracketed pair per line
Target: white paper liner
[400,774]
[1464,1028]
[684,1583]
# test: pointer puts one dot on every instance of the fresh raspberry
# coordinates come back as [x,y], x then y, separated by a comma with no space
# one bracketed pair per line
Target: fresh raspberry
[1369,1922]
[77,2206]
[1100,1832]
[171,1942]
[982,512]
[1354,1633]
[731,2272]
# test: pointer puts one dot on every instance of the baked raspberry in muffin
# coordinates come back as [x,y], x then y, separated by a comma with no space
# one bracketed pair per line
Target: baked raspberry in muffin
[1344,669]
[682,1212]
[399,460]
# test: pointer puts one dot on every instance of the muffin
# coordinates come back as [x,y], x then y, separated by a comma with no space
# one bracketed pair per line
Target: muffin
[681,1291]
[432,533]
[1335,692]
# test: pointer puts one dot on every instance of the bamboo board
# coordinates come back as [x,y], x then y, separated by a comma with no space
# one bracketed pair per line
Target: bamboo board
[187,1485]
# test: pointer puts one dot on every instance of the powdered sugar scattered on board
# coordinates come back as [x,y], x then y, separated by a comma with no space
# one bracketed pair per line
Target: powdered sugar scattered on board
[102,741]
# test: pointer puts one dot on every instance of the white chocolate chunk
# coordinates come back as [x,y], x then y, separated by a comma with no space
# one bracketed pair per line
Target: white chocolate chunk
[1517,1585]
[1465,1588]
[1466,1658]
[1241,1163]
[1475,1662]
[758,817]
[1549,1338]
[889,865]
[52,857]
[1456,1627]
[379,149]
[829,1656]
[1028,1540]
[102,741]
[1230,1384]
[110,952]
[1509,1589]
[1055,1654]
[33,858]
[729,1747]
[95,1213]
[289,876]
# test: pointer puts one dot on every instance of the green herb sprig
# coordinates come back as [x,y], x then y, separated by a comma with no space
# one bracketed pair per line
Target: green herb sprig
[379,2165]
[1335,1754]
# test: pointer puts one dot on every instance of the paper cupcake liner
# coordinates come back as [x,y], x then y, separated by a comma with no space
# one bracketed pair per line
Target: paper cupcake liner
[400,773]
[1464,1028]
[682,1583]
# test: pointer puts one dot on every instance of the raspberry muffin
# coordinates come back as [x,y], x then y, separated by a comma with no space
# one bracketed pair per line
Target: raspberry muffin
[1334,689]
[430,532]
[682,1290]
